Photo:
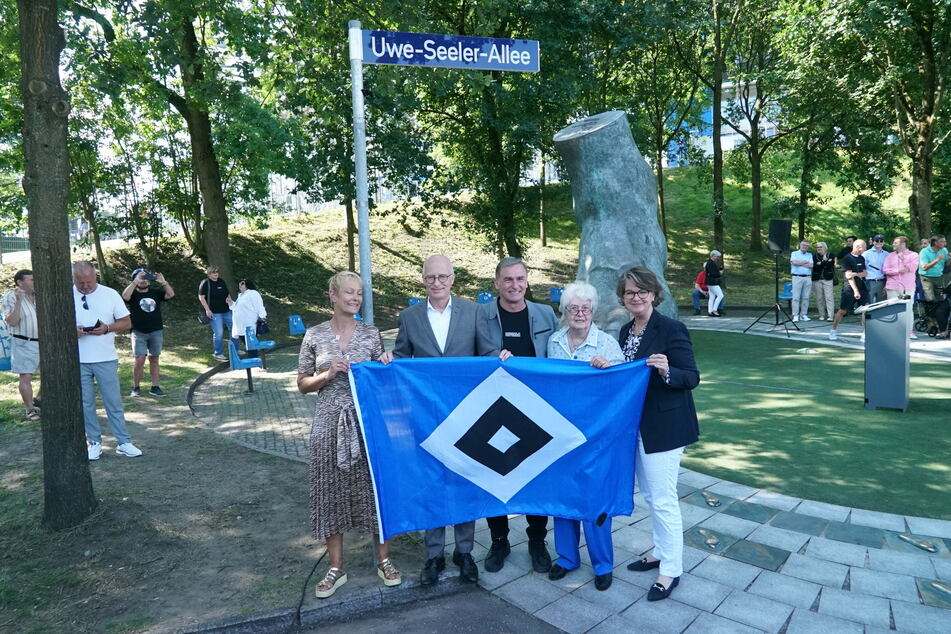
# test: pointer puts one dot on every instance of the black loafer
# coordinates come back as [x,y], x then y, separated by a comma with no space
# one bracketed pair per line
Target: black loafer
[642,565]
[468,571]
[557,572]
[541,560]
[499,550]
[431,570]
[659,592]
[603,582]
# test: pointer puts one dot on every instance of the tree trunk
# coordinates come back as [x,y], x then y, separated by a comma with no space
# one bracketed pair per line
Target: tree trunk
[660,187]
[541,205]
[215,230]
[351,232]
[805,184]
[919,202]
[89,213]
[68,496]
[756,187]
[719,205]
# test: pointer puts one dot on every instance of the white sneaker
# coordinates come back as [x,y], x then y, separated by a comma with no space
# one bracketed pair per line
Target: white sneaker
[795,318]
[912,335]
[833,335]
[804,318]
[94,450]
[129,450]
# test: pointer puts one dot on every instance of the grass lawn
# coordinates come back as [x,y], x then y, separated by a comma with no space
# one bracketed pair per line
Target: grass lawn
[775,418]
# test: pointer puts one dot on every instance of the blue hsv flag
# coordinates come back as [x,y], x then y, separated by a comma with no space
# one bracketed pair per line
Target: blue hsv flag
[451,440]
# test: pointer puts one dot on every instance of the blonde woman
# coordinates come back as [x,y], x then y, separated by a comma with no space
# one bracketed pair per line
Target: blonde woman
[341,496]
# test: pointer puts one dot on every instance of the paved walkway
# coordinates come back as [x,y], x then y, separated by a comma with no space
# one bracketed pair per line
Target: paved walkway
[754,560]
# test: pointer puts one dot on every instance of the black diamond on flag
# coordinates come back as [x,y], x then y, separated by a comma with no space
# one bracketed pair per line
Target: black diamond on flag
[477,443]
[502,436]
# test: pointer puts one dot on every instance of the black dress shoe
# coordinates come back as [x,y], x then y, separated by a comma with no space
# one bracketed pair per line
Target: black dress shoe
[557,572]
[642,564]
[541,560]
[603,582]
[499,550]
[468,571]
[431,570]
[658,592]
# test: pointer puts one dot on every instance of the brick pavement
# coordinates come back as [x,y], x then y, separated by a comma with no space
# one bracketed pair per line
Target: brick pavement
[754,560]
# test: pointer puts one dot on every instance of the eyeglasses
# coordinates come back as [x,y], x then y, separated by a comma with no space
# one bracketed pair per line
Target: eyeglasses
[643,293]
[431,279]
[85,305]
[579,310]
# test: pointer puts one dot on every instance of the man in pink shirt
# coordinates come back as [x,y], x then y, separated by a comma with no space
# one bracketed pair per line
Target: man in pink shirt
[900,268]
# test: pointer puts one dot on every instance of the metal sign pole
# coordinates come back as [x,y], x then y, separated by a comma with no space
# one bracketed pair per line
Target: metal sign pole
[360,165]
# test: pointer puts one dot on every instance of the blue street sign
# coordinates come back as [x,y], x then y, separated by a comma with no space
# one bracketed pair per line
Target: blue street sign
[450,51]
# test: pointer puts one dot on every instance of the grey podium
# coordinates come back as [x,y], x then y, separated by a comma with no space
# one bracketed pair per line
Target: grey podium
[887,356]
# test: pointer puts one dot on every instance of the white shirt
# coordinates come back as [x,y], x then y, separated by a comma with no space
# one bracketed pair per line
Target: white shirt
[26,327]
[247,309]
[439,322]
[105,305]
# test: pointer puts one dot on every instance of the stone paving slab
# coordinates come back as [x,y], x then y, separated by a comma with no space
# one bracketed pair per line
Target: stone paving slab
[839,552]
[755,611]
[805,622]
[716,592]
[786,589]
[853,606]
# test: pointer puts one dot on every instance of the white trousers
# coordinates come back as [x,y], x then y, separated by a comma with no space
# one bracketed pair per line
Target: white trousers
[657,479]
[715,298]
[800,295]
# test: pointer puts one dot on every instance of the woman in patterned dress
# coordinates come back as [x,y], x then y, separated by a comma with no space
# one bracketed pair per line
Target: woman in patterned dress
[341,496]
[668,421]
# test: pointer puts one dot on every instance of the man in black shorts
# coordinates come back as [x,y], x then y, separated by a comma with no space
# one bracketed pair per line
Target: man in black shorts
[854,292]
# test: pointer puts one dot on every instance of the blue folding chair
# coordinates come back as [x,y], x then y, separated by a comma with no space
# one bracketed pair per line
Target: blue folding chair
[237,363]
[251,342]
[295,325]
[786,295]
[485,297]
[358,317]
[554,294]
[413,301]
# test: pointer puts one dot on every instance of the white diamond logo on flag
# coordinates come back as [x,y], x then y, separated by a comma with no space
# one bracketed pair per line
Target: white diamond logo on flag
[502,435]
[503,439]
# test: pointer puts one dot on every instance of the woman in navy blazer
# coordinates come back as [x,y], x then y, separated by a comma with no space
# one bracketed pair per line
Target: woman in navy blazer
[668,422]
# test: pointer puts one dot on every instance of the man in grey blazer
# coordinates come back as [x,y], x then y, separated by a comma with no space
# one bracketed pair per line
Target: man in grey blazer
[442,326]
[521,329]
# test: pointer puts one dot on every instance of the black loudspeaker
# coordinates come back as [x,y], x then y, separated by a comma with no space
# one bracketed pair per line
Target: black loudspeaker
[779,230]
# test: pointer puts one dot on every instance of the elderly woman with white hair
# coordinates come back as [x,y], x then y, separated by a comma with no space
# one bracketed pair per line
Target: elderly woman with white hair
[714,272]
[581,340]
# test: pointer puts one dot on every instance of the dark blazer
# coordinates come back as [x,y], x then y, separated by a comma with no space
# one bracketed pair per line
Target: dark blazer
[416,339]
[669,419]
[541,321]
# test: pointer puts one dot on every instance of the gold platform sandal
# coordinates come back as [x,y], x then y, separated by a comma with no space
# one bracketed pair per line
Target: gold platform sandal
[389,573]
[334,578]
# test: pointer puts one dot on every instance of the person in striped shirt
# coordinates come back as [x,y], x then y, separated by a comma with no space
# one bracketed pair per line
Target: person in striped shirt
[19,309]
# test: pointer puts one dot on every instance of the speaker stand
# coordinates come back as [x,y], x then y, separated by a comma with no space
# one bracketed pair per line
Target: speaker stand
[780,316]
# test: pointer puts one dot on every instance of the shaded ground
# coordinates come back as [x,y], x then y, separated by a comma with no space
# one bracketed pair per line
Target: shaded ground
[197,529]
[474,612]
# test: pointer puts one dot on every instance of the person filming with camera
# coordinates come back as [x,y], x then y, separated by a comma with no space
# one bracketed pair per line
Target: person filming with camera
[147,330]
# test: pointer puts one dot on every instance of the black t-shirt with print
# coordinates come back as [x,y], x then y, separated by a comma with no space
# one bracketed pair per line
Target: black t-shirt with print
[516,333]
[145,310]
[215,294]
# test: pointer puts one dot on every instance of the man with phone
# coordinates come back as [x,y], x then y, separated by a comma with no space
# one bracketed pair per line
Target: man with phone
[100,313]
[147,330]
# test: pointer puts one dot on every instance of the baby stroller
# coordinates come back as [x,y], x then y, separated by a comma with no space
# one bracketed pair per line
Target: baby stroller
[932,316]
